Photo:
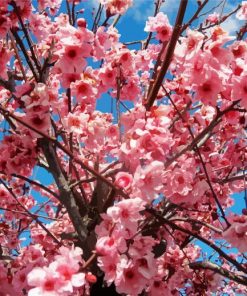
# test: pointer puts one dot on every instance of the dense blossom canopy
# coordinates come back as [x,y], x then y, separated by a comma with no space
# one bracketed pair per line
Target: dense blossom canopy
[140,198]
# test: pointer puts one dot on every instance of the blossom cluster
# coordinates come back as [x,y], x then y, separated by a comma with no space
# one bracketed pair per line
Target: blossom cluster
[139,184]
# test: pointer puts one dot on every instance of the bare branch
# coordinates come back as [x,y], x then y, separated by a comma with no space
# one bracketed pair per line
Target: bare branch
[174,226]
[168,57]
[220,270]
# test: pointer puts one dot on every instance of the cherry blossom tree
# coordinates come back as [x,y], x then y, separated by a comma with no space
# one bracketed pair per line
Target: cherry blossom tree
[140,199]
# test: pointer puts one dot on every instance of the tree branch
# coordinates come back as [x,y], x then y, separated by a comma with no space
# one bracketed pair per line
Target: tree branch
[220,270]
[33,216]
[168,57]
[66,196]
[174,226]
[199,139]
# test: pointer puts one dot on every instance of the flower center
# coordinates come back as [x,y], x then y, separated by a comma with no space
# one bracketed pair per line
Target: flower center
[49,285]
[72,53]
[206,87]
[129,274]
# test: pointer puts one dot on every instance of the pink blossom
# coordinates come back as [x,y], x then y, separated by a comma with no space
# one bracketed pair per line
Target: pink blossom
[68,275]
[239,49]
[20,278]
[239,90]
[5,56]
[116,6]
[72,58]
[123,180]
[126,211]
[108,76]
[84,89]
[40,25]
[213,18]
[67,78]
[61,275]
[242,12]
[5,25]
[147,267]
[109,265]
[160,25]
[236,234]
[39,121]
[123,162]
[106,246]
[190,46]
[76,123]
[147,179]
[46,282]
[129,280]
[209,89]
[159,287]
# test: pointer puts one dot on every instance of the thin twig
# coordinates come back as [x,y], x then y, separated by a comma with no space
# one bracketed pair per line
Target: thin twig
[162,220]
[195,16]
[33,216]
[220,270]
[17,55]
[24,51]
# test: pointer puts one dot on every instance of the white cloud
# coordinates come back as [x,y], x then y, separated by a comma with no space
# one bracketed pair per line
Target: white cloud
[231,25]
[170,6]
[141,10]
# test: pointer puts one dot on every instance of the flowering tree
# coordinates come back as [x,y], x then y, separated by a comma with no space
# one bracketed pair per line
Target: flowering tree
[140,202]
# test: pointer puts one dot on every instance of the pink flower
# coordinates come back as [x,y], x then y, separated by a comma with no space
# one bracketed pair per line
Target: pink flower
[178,184]
[126,211]
[113,131]
[190,45]
[84,89]
[123,180]
[242,13]
[129,280]
[73,255]
[76,123]
[239,90]
[148,142]
[108,76]
[236,234]
[209,88]
[72,58]
[20,278]
[125,58]
[116,6]
[106,246]
[146,266]
[68,275]
[5,56]
[160,25]
[160,288]
[39,121]
[46,282]
[109,265]
[67,78]
[239,50]
[5,25]
[213,18]
[60,277]
[148,179]
[131,90]
[113,244]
